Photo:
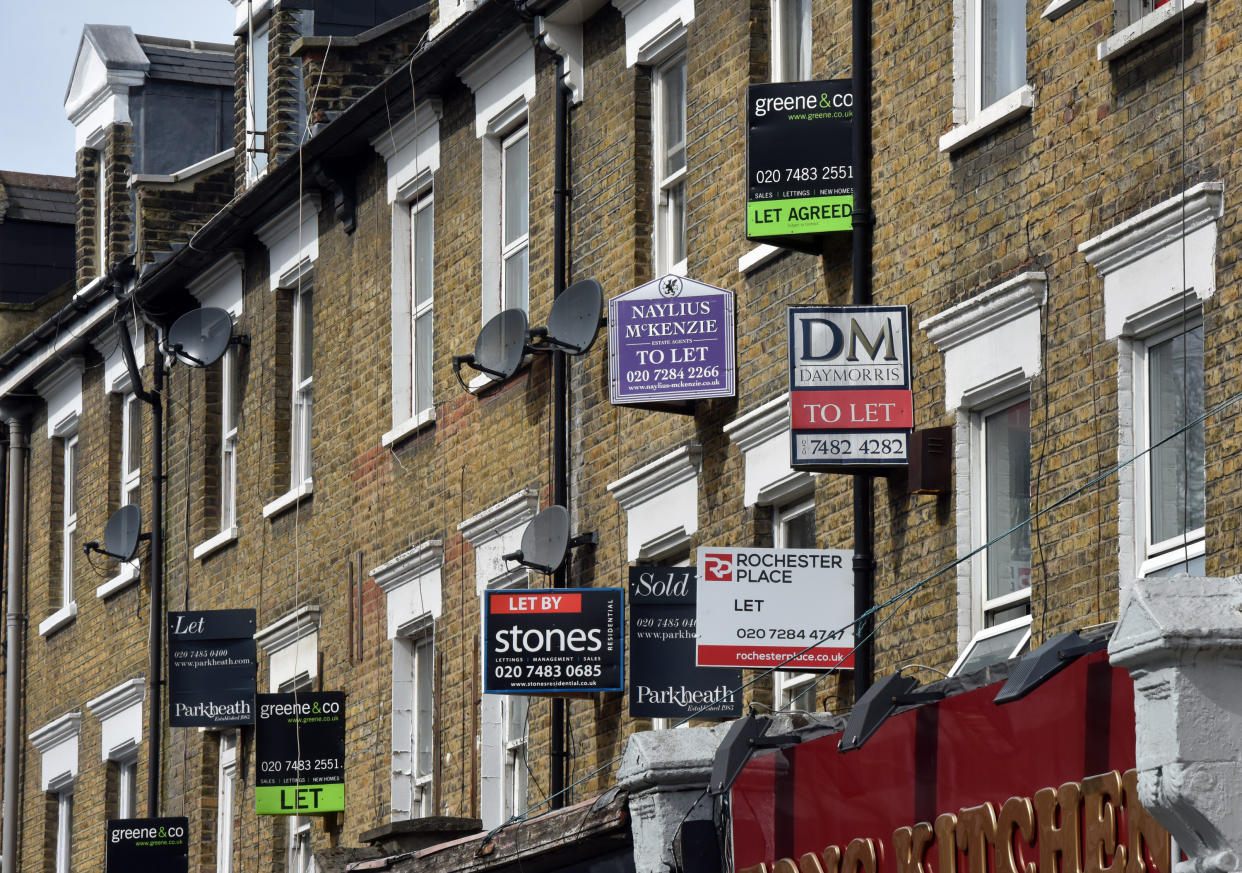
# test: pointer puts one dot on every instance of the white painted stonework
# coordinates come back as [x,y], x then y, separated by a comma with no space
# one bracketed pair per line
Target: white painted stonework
[661,503]
[1181,641]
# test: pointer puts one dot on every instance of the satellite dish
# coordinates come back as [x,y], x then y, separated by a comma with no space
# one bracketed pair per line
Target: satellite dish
[122,531]
[200,337]
[499,347]
[545,541]
[574,320]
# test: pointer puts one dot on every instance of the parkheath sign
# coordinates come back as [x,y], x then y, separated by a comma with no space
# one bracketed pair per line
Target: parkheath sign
[849,387]
[799,156]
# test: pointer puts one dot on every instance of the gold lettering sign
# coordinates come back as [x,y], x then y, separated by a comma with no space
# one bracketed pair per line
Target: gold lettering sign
[1075,828]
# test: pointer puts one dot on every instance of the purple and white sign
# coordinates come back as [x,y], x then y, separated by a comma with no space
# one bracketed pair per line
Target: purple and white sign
[671,339]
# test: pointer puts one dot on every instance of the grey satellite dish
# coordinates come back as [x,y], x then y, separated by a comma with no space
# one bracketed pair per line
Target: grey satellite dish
[200,337]
[500,345]
[122,531]
[573,322]
[545,541]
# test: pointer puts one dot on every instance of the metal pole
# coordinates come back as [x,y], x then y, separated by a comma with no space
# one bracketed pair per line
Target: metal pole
[863,227]
[560,407]
[14,621]
[156,655]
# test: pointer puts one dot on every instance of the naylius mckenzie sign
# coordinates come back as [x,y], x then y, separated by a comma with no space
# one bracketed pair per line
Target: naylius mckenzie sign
[1045,784]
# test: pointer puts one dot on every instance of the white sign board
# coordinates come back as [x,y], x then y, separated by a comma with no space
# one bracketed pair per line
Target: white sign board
[764,608]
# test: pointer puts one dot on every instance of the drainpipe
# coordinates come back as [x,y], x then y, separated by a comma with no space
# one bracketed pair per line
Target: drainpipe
[14,619]
[560,399]
[864,227]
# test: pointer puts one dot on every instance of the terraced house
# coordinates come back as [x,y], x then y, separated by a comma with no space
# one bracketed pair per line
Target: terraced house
[363,187]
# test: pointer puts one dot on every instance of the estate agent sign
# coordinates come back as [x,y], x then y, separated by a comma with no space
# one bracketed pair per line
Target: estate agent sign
[671,340]
[786,608]
[664,681]
[300,753]
[552,640]
[152,845]
[799,157]
[211,660]
[849,387]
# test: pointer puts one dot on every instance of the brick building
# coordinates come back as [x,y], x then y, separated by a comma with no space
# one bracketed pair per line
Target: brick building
[363,186]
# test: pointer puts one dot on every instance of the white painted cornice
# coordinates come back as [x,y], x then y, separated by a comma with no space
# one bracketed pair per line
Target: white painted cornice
[657,477]
[499,519]
[419,560]
[1155,228]
[985,311]
[288,630]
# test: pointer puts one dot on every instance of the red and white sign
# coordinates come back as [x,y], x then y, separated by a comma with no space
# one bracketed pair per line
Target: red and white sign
[1043,783]
[787,608]
[506,604]
[849,387]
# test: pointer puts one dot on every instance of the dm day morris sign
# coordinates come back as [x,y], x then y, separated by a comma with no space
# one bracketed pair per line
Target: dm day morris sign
[671,340]
[849,387]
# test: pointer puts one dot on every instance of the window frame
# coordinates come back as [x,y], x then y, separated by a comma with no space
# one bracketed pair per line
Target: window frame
[64,830]
[519,245]
[301,415]
[421,403]
[69,514]
[101,213]
[789,687]
[257,157]
[986,606]
[226,796]
[1156,558]
[785,66]
[668,234]
[423,734]
[515,748]
[977,71]
[228,439]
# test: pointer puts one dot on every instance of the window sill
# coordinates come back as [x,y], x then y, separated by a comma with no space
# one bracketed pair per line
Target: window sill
[289,499]
[758,256]
[410,425]
[122,580]
[58,619]
[1057,8]
[1000,113]
[219,541]
[1148,27]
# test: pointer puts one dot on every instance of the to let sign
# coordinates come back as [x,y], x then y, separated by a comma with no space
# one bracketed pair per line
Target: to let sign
[300,753]
[791,609]
[799,161]
[211,661]
[671,340]
[849,387]
[552,640]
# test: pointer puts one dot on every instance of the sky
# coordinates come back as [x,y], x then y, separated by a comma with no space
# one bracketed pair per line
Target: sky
[38,45]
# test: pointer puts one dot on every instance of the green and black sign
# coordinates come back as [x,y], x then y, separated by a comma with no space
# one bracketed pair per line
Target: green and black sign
[153,845]
[300,753]
[799,162]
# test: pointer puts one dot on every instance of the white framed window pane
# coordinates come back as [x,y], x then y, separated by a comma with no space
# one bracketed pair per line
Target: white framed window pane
[424,708]
[226,790]
[256,101]
[423,251]
[994,645]
[131,449]
[303,358]
[64,831]
[127,788]
[69,497]
[516,187]
[301,860]
[1176,474]
[673,120]
[795,29]
[228,441]
[305,335]
[516,271]
[423,362]
[793,527]
[1007,498]
[1003,48]
[101,213]
[516,708]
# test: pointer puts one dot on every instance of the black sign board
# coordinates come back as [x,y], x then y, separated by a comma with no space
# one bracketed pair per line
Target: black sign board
[553,640]
[799,162]
[299,758]
[664,681]
[152,845]
[211,660]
